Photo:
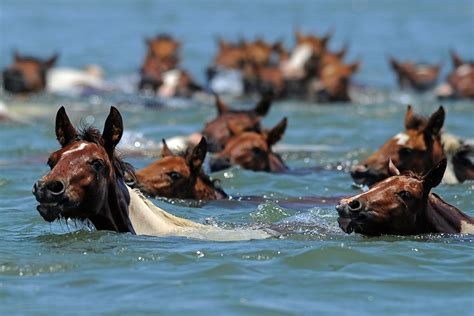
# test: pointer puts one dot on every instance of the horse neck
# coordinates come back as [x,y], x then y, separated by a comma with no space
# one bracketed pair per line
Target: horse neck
[114,213]
[441,217]
[203,190]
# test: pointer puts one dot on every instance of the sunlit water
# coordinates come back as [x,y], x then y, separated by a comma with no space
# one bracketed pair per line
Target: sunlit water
[68,268]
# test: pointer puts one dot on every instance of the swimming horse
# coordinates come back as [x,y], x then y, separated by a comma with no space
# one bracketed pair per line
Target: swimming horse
[86,182]
[460,82]
[418,149]
[403,205]
[31,75]
[179,176]
[416,76]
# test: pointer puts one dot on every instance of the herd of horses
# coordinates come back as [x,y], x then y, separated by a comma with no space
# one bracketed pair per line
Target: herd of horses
[310,70]
[89,181]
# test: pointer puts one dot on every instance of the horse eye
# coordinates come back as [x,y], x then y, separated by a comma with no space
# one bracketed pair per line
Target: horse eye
[97,164]
[257,151]
[405,152]
[405,195]
[175,175]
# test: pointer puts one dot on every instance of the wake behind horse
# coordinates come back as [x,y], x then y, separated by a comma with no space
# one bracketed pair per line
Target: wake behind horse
[86,182]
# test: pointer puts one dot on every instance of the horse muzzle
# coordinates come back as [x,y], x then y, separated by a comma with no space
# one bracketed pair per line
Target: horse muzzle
[362,174]
[14,82]
[350,214]
[52,196]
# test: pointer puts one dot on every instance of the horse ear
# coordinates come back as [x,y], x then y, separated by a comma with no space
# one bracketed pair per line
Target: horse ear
[221,106]
[65,131]
[457,60]
[51,61]
[394,63]
[327,37]
[276,133]
[165,150]
[113,130]
[262,107]
[409,117]
[343,51]
[436,121]
[392,169]
[298,36]
[16,56]
[434,176]
[355,66]
[197,157]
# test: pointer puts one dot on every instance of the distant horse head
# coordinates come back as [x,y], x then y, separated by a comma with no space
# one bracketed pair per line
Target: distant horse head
[333,83]
[258,51]
[251,150]
[216,131]
[163,46]
[27,74]
[86,177]
[230,55]
[416,149]
[179,176]
[403,205]
[317,44]
[420,77]
[461,80]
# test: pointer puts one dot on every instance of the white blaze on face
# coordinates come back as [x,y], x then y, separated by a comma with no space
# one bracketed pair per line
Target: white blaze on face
[294,66]
[79,147]
[401,138]
[170,83]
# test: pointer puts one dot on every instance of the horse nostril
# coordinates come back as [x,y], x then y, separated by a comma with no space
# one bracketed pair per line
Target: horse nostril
[55,187]
[355,206]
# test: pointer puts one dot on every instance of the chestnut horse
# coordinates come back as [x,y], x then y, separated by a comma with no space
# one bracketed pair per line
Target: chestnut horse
[403,205]
[179,176]
[417,149]
[251,150]
[419,77]
[27,74]
[86,182]
[216,131]
[160,73]
[460,82]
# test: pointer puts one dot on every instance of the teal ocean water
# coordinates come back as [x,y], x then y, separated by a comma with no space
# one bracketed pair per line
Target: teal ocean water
[67,268]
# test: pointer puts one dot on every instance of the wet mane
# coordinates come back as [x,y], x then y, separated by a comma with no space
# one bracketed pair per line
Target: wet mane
[93,135]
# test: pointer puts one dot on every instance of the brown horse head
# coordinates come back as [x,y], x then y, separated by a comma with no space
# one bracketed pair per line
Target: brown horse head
[179,176]
[163,46]
[27,74]
[318,44]
[415,76]
[86,177]
[251,150]
[230,55]
[403,205]
[216,131]
[416,149]
[461,79]
[334,81]
[258,51]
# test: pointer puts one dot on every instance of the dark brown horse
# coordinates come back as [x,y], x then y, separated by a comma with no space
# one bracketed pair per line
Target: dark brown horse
[27,74]
[403,205]
[216,131]
[86,182]
[179,176]
[251,150]
[419,77]
[417,149]
[460,82]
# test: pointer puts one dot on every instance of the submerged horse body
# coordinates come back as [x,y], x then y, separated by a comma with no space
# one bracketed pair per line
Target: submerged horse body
[86,182]
[403,205]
